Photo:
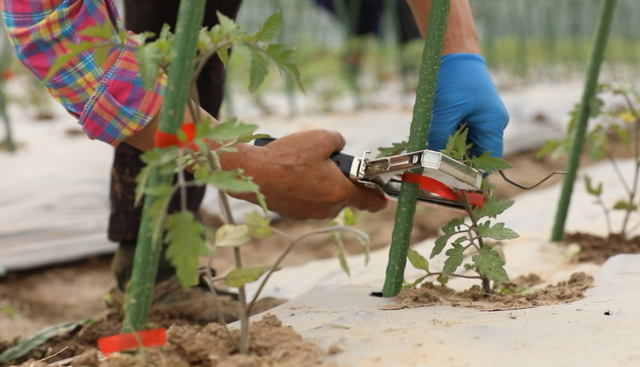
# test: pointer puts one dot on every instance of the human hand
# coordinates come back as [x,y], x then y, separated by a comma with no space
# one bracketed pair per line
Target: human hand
[299,179]
[466,94]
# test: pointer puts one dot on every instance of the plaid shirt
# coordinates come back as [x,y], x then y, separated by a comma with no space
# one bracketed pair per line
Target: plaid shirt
[108,100]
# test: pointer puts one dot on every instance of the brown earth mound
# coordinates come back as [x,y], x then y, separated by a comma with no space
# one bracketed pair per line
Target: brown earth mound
[599,249]
[515,296]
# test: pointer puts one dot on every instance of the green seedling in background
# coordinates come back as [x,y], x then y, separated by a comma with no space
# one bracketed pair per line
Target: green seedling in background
[618,123]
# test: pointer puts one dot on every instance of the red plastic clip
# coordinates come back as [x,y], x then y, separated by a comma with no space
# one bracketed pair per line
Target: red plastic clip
[163,139]
[120,342]
[438,188]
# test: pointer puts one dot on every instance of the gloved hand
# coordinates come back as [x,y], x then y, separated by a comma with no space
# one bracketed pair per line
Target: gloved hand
[466,94]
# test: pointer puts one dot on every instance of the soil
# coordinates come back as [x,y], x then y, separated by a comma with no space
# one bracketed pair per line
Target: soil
[31,300]
[598,249]
[517,295]
[272,344]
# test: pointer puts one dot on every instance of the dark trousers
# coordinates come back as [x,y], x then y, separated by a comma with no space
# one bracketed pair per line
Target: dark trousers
[150,15]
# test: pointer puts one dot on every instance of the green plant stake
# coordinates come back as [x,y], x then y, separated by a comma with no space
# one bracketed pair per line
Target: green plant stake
[5,61]
[425,96]
[603,26]
[145,266]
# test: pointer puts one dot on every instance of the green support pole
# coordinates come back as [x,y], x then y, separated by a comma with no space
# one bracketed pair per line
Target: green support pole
[425,97]
[145,267]
[603,26]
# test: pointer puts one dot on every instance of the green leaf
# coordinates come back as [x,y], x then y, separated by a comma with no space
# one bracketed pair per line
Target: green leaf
[497,232]
[623,134]
[342,255]
[271,28]
[38,338]
[185,237]
[223,54]
[411,285]
[595,107]
[158,211]
[230,130]
[250,137]
[453,261]
[490,264]
[442,280]
[258,71]
[100,54]
[101,31]
[204,42]
[230,235]
[395,149]
[240,277]
[349,217]
[142,180]
[226,23]
[449,230]
[492,208]
[232,181]
[280,57]
[460,149]
[595,191]
[258,225]
[623,205]
[149,57]
[417,260]
[548,147]
[62,60]
[489,164]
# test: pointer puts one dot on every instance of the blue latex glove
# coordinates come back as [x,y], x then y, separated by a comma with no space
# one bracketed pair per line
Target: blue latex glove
[466,94]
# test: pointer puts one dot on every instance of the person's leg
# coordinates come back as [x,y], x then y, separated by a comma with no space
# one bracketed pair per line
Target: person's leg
[124,221]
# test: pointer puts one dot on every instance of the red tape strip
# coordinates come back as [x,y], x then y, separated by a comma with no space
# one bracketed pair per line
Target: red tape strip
[163,139]
[438,188]
[120,342]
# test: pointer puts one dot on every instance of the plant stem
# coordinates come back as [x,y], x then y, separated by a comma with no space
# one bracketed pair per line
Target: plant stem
[636,156]
[593,70]
[425,96]
[147,255]
[292,242]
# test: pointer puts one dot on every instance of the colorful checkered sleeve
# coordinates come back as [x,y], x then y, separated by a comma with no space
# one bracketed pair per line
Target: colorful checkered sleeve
[109,100]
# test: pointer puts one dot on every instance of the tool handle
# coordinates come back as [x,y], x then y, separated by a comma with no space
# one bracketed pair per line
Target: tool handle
[343,161]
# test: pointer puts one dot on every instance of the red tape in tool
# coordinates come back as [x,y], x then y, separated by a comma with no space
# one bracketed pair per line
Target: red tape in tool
[163,139]
[438,188]
[120,342]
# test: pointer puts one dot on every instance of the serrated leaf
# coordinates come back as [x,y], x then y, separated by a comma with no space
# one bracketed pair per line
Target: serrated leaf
[280,57]
[497,231]
[230,130]
[271,28]
[490,264]
[258,71]
[449,230]
[258,225]
[226,23]
[417,260]
[453,260]
[185,237]
[149,57]
[38,338]
[489,164]
[492,208]
[102,31]
[204,42]
[230,235]
[596,191]
[460,149]
[240,277]
[395,149]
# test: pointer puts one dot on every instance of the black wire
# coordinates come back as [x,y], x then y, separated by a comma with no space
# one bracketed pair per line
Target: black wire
[534,186]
